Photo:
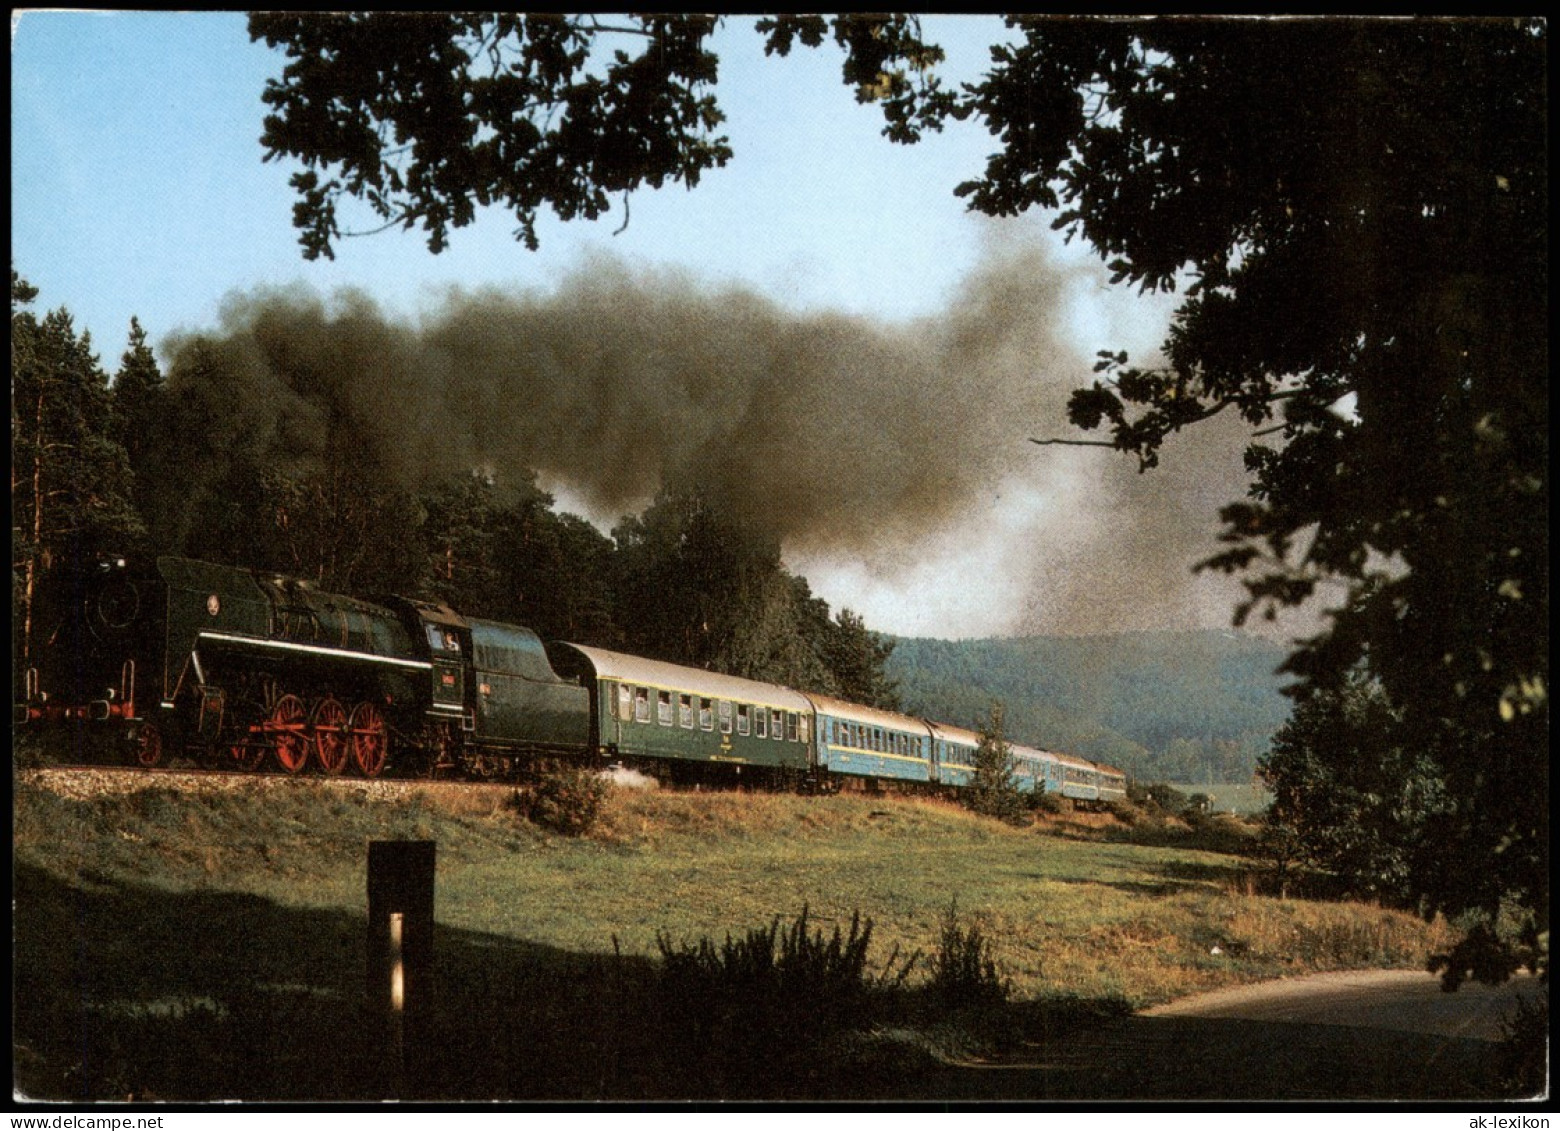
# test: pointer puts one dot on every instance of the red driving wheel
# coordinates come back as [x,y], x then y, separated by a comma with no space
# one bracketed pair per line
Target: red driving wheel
[287,731]
[370,739]
[329,726]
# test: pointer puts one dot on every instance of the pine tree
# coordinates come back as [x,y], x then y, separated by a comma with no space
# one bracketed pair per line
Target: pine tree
[994,791]
[857,657]
[70,479]
[138,412]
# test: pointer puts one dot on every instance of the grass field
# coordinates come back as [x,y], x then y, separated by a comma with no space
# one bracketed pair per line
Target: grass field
[1241,798]
[212,945]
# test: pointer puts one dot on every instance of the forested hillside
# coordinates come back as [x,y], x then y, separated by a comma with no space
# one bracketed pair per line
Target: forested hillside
[1178,706]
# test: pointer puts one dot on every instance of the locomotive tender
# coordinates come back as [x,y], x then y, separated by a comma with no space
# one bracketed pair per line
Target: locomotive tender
[238,667]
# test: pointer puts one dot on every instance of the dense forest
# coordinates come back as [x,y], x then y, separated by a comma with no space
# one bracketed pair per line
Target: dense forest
[1164,706]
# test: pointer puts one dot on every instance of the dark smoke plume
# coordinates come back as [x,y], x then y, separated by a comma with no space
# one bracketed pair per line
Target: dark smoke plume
[836,434]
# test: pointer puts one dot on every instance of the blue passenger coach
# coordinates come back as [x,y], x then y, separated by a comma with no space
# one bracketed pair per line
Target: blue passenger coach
[1036,771]
[953,754]
[856,741]
[1080,778]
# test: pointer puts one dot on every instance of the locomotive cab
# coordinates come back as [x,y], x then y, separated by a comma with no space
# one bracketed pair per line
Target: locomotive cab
[447,639]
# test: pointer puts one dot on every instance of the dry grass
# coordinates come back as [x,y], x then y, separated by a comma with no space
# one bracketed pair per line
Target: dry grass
[130,898]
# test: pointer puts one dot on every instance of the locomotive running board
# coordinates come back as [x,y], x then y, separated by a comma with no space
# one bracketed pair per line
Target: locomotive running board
[313,650]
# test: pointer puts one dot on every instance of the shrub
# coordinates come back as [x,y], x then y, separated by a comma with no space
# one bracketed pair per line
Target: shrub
[1524,1049]
[793,977]
[566,800]
[795,987]
[1168,798]
[963,971]
[1125,811]
[1043,801]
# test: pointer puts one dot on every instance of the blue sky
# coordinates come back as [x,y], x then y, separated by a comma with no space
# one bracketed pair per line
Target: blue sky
[138,188]
[138,185]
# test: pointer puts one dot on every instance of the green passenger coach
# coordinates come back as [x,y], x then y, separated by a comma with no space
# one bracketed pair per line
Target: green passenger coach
[667,713]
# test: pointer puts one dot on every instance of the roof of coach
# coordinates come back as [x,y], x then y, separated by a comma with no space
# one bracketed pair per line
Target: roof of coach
[868,716]
[1019,750]
[1075,761]
[675,677]
[961,735]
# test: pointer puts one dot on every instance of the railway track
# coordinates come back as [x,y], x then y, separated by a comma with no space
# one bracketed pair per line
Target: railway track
[88,779]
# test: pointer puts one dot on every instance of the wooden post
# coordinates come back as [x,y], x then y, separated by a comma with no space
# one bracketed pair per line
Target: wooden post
[400,956]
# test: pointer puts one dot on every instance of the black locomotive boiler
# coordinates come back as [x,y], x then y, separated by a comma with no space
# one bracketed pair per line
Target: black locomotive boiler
[242,667]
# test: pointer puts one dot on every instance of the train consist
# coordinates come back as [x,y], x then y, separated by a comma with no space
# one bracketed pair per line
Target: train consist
[244,669]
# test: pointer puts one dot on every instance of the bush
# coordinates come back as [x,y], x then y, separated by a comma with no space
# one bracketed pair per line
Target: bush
[1524,1050]
[794,988]
[1044,801]
[566,800]
[963,971]
[1169,799]
[1124,811]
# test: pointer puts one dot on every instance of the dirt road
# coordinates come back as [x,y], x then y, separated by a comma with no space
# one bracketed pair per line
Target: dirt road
[1372,1035]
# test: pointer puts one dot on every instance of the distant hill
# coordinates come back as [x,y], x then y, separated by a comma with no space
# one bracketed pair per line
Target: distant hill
[1187,706]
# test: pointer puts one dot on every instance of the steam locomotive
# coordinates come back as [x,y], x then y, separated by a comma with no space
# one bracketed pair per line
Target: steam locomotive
[245,668]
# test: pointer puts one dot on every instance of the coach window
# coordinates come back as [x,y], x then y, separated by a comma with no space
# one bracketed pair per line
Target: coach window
[685,711]
[725,716]
[744,719]
[790,725]
[641,705]
[760,722]
[625,698]
[777,726]
[706,715]
[801,728]
[663,708]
